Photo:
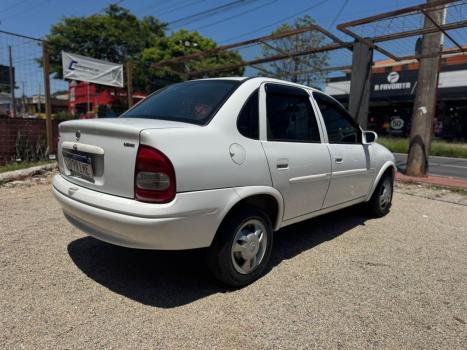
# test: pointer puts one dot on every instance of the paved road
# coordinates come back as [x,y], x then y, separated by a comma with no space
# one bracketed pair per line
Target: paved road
[441,166]
[342,281]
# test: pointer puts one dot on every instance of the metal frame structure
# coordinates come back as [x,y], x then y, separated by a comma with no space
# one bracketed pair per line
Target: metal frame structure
[335,44]
[424,9]
[349,28]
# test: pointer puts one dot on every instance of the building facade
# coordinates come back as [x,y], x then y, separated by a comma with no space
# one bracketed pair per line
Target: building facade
[392,94]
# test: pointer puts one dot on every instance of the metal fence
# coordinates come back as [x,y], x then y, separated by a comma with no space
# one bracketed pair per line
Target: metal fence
[28,92]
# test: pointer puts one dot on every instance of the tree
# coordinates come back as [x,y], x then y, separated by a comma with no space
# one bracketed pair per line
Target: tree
[116,36]
[183,43]
[305,69]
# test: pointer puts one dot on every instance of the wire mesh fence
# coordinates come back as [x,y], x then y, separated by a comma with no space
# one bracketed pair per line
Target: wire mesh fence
[23,119]
[22,88]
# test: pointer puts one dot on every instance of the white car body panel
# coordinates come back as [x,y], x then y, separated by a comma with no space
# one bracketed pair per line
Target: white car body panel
[300,171]
[216,167]
[185,223]
[351,173]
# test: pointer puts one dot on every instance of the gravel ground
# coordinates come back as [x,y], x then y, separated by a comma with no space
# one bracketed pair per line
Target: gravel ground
[341,281]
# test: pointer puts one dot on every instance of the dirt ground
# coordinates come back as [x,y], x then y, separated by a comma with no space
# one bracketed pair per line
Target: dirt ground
[342,281]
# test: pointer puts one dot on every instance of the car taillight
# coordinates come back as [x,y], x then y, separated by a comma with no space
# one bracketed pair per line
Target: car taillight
[154,176]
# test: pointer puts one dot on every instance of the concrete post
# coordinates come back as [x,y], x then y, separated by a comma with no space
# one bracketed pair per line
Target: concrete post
[359,99]
[425,98]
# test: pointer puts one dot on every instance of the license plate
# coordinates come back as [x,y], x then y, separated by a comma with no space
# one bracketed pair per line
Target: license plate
[79,165]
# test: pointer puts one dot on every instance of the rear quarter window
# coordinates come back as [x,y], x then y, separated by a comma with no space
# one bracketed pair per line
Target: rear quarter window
[248,119]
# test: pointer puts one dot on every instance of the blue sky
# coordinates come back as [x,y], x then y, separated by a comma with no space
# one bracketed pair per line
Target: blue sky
[34,17]
[250,19]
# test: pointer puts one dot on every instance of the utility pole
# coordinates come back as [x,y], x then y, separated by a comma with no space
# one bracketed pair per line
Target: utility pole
[48,104]
[424,107]
[23,100]
[129,82]
[12,84]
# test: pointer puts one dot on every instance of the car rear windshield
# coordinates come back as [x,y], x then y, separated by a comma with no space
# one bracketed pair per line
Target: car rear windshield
[191,102]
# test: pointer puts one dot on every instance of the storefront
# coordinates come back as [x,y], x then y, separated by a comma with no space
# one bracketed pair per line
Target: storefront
[393,88]
[89,100]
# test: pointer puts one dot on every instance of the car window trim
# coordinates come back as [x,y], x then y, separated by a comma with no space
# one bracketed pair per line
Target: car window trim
[347,117]
[301,93]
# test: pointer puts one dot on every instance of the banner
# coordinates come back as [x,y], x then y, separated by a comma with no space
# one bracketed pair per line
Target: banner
[77,67]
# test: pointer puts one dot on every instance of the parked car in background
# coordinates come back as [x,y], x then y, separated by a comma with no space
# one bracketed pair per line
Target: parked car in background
[219,164]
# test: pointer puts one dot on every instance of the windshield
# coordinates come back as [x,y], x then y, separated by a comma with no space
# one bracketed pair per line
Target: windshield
[191,102]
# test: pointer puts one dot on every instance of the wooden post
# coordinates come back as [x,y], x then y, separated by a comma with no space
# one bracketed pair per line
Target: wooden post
[359,99]
[425,98]
[12,84]
[48,104]
[129,82]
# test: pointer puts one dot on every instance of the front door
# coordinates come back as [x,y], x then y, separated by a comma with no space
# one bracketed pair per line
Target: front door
[299,162]
[351,166]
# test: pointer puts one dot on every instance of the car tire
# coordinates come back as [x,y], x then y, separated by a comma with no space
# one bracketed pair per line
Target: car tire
[381,200]
[242,247]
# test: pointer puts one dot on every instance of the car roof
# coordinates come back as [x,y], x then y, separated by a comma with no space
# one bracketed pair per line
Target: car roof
[264,79]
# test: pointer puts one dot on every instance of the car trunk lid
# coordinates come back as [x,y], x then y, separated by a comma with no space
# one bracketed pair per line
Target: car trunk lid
[100,154]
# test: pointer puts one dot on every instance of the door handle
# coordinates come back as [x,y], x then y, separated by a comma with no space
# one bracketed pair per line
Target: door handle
[282,164]
[339,160]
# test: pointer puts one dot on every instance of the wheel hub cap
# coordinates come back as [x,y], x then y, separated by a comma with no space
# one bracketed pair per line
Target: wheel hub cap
[249,246]
[385,197]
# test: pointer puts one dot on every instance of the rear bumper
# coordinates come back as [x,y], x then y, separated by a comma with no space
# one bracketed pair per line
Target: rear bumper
[190,221]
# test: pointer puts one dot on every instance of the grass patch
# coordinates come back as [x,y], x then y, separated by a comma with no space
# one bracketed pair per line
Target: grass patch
[438,148]
[22,165]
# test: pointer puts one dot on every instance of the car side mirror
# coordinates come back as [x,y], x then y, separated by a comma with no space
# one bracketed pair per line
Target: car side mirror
[369,137]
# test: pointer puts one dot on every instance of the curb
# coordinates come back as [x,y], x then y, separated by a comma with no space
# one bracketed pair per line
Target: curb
[433,180]
[443,157]
[25,173]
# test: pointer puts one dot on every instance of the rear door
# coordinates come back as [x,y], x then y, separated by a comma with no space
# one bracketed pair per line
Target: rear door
[299,162]
[351,166]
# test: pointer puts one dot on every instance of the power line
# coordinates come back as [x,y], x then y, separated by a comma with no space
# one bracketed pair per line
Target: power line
[147,8]
[173,9]
[236,15]
[277,22]
[207,13]
[20,13]
[355,14]
[344,4]
[18,3]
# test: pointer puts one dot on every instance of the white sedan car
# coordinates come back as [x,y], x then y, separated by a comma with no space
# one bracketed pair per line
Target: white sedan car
[219,164]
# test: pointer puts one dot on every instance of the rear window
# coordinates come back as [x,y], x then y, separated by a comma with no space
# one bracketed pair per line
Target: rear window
[191,102]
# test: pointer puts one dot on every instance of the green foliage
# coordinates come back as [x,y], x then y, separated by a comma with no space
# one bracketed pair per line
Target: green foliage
[27,151]
[306,69]
[438,148]
[62,115]
[116,36]
[183,43]
[21,165]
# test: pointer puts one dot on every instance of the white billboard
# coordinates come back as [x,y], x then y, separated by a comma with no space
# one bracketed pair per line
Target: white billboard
[77,67]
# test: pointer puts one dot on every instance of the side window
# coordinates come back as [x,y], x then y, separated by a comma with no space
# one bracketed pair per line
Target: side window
[248,119]
[340,126]
[290,116]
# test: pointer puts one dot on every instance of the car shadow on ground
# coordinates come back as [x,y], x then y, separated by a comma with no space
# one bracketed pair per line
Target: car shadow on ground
[169,279]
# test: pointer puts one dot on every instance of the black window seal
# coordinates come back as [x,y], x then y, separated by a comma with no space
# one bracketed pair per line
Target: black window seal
[241,110]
